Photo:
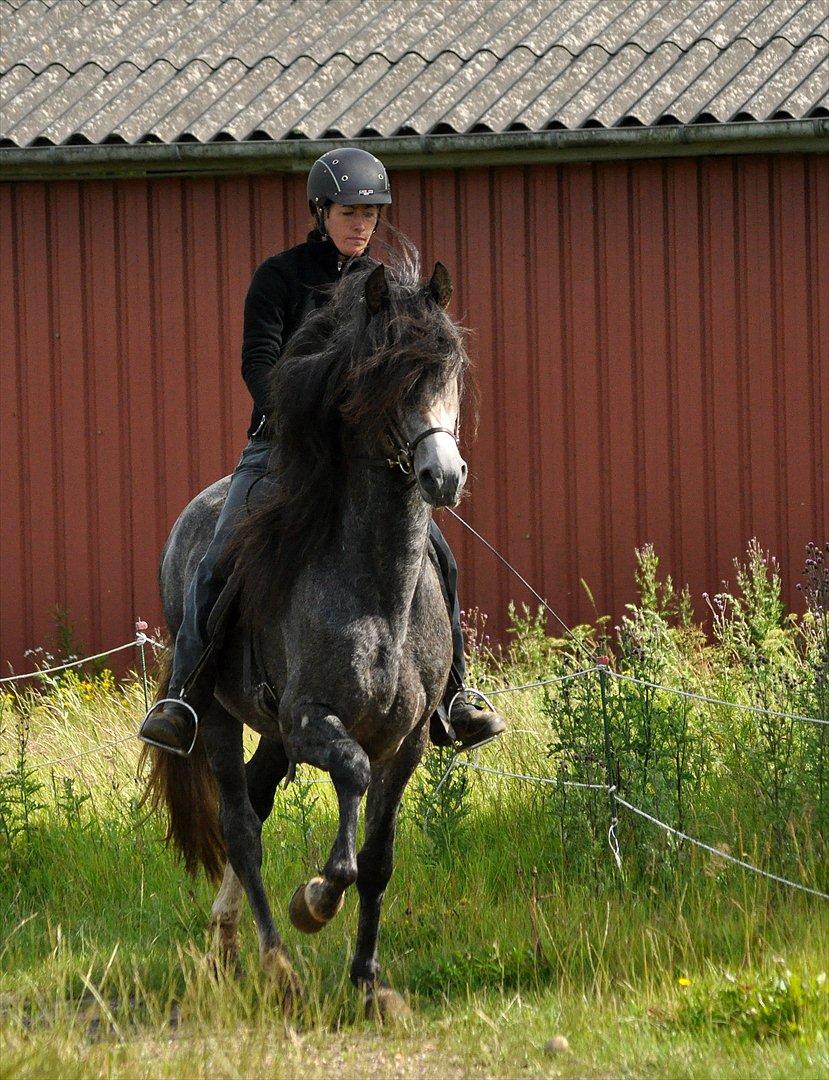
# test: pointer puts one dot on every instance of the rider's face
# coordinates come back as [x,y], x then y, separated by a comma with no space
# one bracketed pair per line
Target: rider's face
[350,227]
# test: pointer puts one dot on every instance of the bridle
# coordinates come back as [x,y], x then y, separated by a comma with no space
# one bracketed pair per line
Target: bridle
[403,458]
[404,449]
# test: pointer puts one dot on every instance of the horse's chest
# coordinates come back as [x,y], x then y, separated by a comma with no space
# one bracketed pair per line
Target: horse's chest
[393,702]
[401,686]
[366,676]
[380,679]
[370,674]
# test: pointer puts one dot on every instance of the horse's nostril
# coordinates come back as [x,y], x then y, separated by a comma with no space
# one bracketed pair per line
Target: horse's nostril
[427,477]
[464,471]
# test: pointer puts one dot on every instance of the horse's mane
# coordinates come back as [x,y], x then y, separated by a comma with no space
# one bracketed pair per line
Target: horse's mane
[343,370]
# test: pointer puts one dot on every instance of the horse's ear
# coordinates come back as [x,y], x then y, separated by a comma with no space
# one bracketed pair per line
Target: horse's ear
[441,285]
[376,289]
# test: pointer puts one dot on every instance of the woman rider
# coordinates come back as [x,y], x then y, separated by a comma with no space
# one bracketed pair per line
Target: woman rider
[346,189]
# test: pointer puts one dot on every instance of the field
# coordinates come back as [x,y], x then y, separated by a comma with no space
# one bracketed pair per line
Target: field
[507,922]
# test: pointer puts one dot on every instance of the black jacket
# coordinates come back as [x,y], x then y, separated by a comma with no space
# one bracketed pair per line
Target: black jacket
[284,289]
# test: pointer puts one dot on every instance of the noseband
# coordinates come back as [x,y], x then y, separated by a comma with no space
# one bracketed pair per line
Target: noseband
[404,459]
[404,451]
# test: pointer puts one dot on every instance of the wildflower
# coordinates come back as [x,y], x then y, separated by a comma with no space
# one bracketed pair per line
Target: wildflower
[683,981]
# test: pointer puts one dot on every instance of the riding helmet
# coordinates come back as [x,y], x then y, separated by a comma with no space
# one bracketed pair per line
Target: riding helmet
[348,176]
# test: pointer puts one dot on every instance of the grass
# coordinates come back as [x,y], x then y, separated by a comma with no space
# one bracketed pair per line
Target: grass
[506,923]
[502,935]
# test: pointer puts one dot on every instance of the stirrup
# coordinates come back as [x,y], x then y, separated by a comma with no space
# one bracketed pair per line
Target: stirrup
[164,746]
[467,692]
[479,695]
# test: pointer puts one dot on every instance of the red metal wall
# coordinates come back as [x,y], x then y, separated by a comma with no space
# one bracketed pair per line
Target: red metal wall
[652,347]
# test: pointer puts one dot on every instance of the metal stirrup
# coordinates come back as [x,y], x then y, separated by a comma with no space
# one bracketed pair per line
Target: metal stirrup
[464,690]
[165,746]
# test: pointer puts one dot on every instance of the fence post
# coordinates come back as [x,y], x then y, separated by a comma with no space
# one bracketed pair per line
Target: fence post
[612,839]
[140,628]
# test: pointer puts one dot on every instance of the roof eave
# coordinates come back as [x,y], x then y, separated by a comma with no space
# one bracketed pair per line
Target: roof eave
[416,151]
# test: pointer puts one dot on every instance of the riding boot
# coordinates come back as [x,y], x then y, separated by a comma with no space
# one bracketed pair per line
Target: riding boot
[468,727]
[172,722]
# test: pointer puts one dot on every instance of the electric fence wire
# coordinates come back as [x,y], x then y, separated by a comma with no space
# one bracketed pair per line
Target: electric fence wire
[151,641]
[758,710]
[553,781]
[619,801]
[84,753]
[716,851]
[543,682]
[73,663]
[456,762]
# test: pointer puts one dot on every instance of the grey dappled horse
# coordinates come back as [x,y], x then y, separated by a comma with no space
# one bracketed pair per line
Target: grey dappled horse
[347,608]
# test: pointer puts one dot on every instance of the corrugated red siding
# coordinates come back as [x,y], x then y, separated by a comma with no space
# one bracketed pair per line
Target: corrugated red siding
[652,347]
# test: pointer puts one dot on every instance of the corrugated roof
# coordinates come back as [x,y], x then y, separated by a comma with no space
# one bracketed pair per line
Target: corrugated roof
[78,71]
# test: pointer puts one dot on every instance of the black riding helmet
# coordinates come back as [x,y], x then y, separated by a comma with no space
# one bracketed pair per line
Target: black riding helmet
[348,176]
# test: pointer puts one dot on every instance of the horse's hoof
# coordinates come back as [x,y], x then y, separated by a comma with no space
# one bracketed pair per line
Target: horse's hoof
[304,910]
[383,1003]
[226,963]
[280,971]
[225,952]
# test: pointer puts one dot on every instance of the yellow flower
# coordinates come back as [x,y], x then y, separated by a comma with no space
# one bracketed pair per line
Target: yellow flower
[683,981]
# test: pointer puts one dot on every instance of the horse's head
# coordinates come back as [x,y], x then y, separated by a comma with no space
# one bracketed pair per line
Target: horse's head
[412,366]
[374,379]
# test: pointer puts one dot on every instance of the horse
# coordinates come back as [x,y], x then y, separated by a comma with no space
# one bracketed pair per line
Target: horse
[337,589]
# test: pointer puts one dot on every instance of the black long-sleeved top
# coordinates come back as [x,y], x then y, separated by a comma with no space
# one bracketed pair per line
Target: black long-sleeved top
[283,290]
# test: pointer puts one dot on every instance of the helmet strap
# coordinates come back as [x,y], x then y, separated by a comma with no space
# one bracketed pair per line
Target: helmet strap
[319,213]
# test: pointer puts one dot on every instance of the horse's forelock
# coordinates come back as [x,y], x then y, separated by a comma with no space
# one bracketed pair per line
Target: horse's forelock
[348,365]
[407,352]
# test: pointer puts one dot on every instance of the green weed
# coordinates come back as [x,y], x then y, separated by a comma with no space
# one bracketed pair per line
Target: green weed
[756,1005]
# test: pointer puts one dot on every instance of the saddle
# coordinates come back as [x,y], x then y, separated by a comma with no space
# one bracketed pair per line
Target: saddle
[255,684]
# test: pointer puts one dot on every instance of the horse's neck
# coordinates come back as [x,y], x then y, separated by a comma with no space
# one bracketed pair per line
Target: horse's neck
[383,533]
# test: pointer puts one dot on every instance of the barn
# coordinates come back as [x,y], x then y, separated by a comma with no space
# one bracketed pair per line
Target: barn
[633,201]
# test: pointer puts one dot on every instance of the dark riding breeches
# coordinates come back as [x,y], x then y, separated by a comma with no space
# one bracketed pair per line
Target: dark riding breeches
[211,576]
[449,573]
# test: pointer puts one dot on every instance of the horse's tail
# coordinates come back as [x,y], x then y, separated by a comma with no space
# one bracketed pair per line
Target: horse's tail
[186,790]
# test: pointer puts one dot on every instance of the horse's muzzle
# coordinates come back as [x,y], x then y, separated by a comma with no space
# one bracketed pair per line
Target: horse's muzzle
[442,485]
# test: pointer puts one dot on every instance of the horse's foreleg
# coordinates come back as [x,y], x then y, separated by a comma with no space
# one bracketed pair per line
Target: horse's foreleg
[242,831]
[225,916]
[263,772]
[267,766]
[375,863]
[319,738]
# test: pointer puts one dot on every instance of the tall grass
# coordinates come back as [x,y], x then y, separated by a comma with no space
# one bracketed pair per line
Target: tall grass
[506,920]
[743,779]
